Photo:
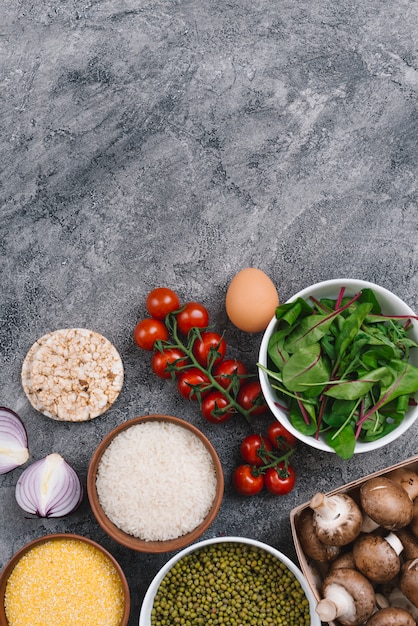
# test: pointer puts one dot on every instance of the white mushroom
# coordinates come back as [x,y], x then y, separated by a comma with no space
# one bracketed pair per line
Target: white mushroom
[391,616]
[378,557]
[310,542]
[386,503]
[409,581]
[348,596]
[337,518]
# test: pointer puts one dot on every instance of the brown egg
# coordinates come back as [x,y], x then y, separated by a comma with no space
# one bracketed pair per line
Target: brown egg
[251,300]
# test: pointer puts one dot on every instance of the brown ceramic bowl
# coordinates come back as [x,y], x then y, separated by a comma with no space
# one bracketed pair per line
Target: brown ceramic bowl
[9,567]
[131,541]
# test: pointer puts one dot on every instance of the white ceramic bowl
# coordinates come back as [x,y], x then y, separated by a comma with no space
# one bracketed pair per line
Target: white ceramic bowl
[145,615]
[391,305]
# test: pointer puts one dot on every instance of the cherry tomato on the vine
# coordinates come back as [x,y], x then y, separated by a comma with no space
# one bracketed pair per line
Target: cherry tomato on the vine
[251,446]
[246,481]
[162,301]
[228,370]
[148,331]
[193,384]
[161,360]
[209,348]
[251,398]
[193,314]
[214,408]
[280,480]
[280,437]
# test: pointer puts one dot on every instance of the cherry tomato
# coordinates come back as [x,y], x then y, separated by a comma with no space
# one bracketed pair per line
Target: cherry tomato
[209,348]
[193,384]
[251,446]
[161,360]
[246,481]
[280,437]
[280,480]
[228,371]
[251,398]
[162,301]
[213,407]
[192,315]
[147,332]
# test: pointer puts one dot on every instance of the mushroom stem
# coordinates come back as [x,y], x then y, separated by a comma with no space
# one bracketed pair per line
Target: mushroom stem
[337,518]
[337,603]
[395,542]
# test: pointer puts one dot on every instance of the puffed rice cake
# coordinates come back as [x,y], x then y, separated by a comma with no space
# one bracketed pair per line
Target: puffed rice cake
[72,374]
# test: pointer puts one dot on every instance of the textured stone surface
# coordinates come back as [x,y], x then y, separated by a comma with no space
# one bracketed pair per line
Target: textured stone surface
[173,143]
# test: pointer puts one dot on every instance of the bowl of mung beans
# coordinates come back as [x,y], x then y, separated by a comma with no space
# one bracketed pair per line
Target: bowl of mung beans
[229,580]
[61,579]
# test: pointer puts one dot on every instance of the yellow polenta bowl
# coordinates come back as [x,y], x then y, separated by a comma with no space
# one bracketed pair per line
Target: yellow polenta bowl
[63,579]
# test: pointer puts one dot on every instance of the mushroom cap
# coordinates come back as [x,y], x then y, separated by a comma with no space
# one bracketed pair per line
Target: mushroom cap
[386,502]
[375,558]
[357,586]
[310,542]
[409,580]
[406,478]
[337,518]
[413,526]
[409,542]
[345,560]
[391,616]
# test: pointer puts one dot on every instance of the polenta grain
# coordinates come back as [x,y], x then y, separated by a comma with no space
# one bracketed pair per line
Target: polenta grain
[64,582]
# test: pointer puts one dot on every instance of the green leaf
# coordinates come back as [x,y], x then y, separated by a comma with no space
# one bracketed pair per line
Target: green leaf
[276,350]
[351,328]
[343,442]
[289,312]
[309,331]
[377,355]
[337,412]
[405,381]
[306,367]
[354,389]
[297,420]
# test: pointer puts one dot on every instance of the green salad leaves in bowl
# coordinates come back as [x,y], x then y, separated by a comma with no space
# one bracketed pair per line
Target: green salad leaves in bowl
[338,366]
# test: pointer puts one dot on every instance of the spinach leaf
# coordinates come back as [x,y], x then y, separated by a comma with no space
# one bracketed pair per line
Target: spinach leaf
[306,368]
[343,441]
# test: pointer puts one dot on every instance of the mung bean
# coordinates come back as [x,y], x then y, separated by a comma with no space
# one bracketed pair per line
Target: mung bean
[230,584]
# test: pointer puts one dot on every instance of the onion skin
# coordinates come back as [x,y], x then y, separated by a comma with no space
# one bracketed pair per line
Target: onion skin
[49,488]
[13,441]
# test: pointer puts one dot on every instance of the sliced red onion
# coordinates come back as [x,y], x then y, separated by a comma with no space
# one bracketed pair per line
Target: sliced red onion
[49,488]
[13,441]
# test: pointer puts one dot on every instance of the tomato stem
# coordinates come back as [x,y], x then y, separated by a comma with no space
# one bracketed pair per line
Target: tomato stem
[194,334]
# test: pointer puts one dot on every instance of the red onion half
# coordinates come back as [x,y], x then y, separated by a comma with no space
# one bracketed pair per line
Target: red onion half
[49,488]
[13,441]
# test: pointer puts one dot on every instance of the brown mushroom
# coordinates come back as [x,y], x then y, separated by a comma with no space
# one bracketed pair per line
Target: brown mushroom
[413,526]
[345,560]
[311,544]
[396,598]
[337,518]
[348,596]
[391,616]
[409,542]
[386,503]
[409,581]
[407,479]
[378,557]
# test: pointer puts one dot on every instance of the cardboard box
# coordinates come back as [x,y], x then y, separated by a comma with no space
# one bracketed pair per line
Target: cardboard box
[314,572]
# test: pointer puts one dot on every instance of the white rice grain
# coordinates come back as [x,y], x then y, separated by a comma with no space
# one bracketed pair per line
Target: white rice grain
[156,481]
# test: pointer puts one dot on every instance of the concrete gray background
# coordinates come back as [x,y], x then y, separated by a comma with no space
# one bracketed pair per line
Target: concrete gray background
[173,143]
